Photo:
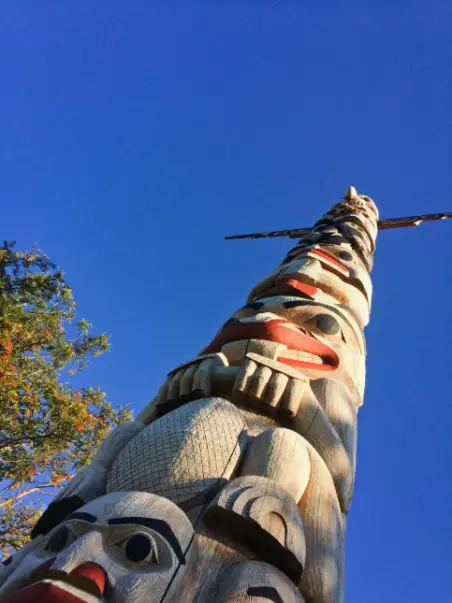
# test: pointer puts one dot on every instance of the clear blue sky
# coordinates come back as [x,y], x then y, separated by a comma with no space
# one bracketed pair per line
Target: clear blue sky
[135,135]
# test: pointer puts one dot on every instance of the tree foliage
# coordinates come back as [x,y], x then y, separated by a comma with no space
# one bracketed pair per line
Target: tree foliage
[48,429]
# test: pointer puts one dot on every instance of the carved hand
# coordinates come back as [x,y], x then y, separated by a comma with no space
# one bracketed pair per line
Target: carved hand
[192,379]
[189,381]
[258,381]
[267,382]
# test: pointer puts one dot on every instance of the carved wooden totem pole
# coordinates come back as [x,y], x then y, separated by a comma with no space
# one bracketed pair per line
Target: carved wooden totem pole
[234,483]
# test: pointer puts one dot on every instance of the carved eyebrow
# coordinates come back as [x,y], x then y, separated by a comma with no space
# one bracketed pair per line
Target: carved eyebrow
[265,592]
[158,525]
[301,302]
[83,516]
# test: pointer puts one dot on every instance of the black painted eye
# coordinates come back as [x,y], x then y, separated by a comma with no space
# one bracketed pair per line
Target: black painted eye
[333,238]
[59,540]
[8,561]
[138,548]
[327,324]
[345,255]
[255,305]
[293,303]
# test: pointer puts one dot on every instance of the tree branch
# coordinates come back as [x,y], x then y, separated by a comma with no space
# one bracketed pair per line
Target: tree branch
[17,497]
[31,438]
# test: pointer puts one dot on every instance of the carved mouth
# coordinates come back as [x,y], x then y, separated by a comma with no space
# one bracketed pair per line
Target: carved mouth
[48,591]
[54,586]
[312,354]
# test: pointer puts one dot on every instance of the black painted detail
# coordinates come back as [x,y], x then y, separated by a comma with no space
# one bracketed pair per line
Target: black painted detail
[345,255]
[138,547]
[327,324]
[265,592]
[248,532]
[333,239]
[228,322]
[336,310]
[158,525]
[55,513]
[83,516]
[324,222]
[58,540]
[255,305]
[293,303]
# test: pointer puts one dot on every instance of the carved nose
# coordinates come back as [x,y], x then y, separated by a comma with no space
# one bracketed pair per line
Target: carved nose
[92,572]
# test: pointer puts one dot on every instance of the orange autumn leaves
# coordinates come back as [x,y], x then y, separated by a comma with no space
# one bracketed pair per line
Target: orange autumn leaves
[5,359]
[48,428]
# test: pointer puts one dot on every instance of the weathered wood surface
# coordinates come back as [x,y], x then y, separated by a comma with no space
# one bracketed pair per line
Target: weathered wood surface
[234,482]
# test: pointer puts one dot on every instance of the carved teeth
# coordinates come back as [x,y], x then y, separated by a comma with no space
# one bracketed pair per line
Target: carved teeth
[269,349]
[302,356]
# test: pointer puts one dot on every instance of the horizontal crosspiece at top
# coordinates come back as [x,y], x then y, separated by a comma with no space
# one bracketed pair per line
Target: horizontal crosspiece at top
[296,233]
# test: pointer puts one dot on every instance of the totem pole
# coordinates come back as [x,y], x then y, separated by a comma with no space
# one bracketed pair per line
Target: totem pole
[234,483]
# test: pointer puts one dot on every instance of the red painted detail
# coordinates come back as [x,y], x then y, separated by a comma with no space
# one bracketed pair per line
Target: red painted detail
[364,212]
[326,255]
[276,330]
[326,252]
[49,592]
[308,290]
[41,592]
[93,572]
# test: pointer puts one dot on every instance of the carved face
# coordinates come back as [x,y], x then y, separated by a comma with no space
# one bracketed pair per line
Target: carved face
[120,548]
[330,274]
[316,338]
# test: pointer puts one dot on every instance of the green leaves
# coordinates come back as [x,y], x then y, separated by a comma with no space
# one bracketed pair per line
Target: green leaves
[48,430]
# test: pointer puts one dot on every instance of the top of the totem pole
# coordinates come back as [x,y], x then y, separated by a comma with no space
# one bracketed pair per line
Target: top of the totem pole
[351,194]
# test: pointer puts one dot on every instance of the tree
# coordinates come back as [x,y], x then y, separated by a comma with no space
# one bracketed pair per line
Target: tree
[48,429]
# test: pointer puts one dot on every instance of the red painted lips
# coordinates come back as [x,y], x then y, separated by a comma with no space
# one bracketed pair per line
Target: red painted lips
[42,592]
[277,330]
[88,577]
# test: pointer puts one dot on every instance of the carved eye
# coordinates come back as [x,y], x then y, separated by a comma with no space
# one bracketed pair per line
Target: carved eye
[59,540]
[138,548]
[327,324]
[256,305]
[345,255]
